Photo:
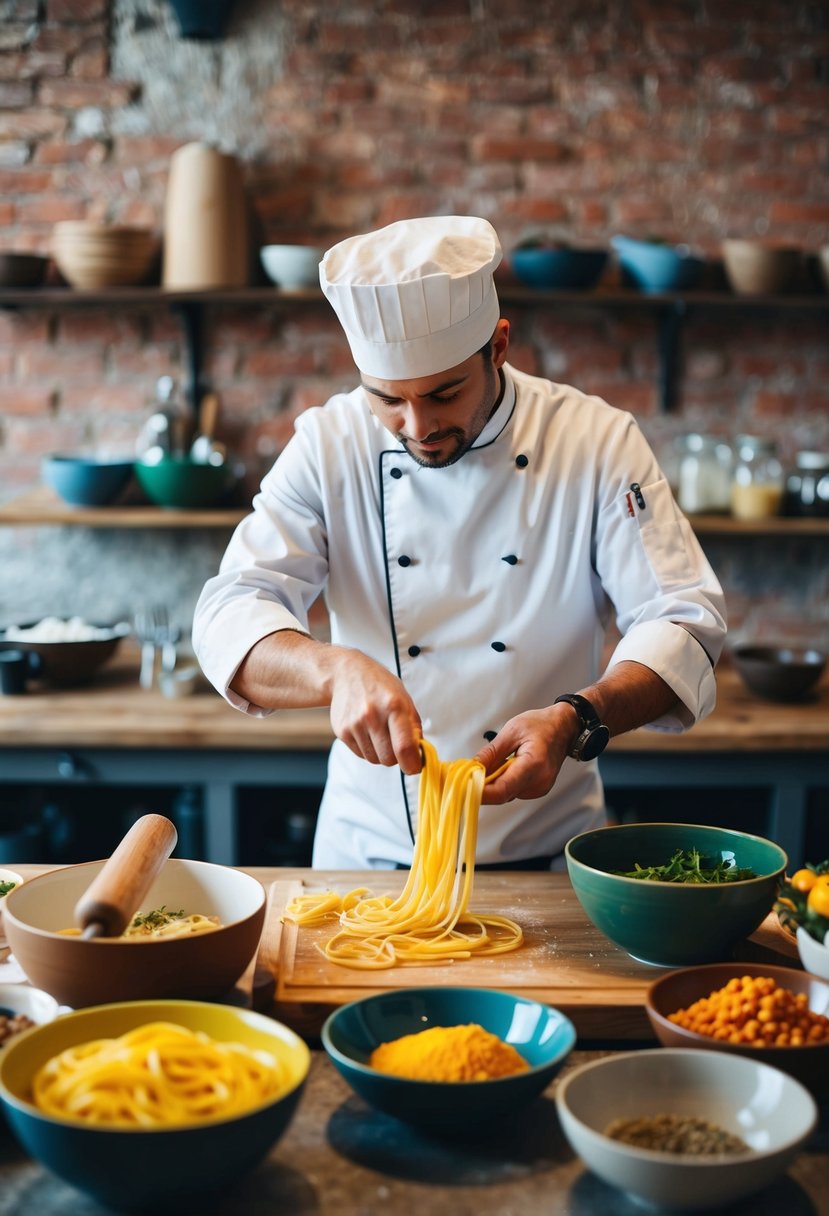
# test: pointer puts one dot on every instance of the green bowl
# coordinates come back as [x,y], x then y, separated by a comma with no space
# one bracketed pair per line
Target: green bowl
[541,1034]
[150,1169]
[181,483]
[673,924]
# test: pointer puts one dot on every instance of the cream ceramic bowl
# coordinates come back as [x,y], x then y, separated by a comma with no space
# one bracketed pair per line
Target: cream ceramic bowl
[770,1111]
[814,955]
[81,972]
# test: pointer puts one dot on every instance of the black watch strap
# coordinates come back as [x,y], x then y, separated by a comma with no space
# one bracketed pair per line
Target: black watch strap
[593,736]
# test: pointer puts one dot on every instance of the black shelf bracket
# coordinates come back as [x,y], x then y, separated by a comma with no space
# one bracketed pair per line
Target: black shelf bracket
[191,313]
[670,335]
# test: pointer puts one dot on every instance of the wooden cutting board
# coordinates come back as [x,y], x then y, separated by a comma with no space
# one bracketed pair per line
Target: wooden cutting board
[564,961]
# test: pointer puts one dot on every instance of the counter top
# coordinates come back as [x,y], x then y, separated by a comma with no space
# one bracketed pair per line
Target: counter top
[114,712]
[341,1158]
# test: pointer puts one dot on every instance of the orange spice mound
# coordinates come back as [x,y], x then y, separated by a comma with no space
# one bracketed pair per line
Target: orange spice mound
[755,1010]
[449,1053]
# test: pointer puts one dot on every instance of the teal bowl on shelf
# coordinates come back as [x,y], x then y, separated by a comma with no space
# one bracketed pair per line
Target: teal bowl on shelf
[673,924]
[540,1033]
[654,267]
[133,1169]
[84,481]
[179,483]
[559,269]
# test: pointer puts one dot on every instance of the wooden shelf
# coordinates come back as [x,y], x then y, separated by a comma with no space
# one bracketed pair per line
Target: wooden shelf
[508,292]
[42,506]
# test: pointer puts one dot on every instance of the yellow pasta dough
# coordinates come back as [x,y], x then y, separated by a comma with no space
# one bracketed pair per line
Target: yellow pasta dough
[429,921]
[158,1075]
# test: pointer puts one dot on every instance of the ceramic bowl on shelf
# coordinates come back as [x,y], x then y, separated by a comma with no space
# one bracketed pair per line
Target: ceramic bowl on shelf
[541,1034]
[779,673]
[679,989]
[86,481]
[551,269]
[178,483]
[673,924]
[754,268]
[79,972]
[92,255]
[66,652]
[769,1111]
[292,267]
[22,270]
[656,267]
[179,1168]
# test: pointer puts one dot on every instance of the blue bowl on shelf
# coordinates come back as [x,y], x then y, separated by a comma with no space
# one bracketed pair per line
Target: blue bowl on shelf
[559,269]
[540,1033]
[654,267]
[84,481]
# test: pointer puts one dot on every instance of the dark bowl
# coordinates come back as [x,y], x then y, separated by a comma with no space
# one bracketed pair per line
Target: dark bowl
[83,481]
[672,924]
[679,989]
[559,269]
[180,484]
[543,1035]
[779,673]
[65,662]
[22,269]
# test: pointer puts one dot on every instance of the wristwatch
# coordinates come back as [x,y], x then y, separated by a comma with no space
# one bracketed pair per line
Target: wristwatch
[593,736]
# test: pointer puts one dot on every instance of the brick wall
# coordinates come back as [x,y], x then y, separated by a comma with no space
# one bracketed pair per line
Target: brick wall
[692,118]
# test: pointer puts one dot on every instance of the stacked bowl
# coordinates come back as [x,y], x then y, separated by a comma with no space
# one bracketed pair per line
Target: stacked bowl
[92,255]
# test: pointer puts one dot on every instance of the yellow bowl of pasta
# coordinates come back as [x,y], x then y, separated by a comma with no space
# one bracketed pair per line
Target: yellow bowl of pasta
[197,929]
[148,1104]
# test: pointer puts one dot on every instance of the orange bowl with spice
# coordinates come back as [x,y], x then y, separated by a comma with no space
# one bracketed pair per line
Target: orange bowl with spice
[730,1006]
[448,1059]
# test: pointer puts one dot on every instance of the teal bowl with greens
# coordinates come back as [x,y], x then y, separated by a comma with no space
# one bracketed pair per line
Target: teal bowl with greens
[624,880]
[538,1032]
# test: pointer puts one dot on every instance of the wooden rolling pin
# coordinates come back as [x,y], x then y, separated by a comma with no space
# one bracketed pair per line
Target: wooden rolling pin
[116,892]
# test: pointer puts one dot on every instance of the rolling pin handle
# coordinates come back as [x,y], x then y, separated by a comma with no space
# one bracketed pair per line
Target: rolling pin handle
[114,895]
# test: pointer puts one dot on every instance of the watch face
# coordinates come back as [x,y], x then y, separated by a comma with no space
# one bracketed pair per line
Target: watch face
[594,743]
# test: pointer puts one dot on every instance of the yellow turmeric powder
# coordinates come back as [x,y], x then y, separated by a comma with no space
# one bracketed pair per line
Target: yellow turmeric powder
[449,1053]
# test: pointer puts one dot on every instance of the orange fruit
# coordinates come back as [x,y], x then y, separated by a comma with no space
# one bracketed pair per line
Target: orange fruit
[818,900]
[803,880]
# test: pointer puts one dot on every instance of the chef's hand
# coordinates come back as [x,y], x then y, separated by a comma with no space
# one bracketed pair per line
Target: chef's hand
[373,714]
[538,740]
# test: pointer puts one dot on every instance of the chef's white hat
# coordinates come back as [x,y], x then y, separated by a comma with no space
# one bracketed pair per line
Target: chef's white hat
[417,297]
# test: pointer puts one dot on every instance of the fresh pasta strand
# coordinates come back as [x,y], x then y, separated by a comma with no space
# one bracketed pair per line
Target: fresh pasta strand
[158,1075]
[429,921]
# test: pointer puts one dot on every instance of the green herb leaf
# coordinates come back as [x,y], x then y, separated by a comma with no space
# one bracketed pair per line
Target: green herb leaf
[687,866]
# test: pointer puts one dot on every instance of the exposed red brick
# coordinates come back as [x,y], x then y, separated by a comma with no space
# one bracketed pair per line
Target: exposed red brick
[121,397]
[796,211]
[21,399]
[33,124]
[51,209]
[275,363]
[83,151]
[74,93]
[92,62]
[15,94]
[521,149]
[77,10]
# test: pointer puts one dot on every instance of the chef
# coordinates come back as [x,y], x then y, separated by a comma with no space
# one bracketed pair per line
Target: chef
[474,531]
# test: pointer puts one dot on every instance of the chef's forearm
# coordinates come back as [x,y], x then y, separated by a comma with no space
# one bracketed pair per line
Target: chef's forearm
[288,670]
[627,696]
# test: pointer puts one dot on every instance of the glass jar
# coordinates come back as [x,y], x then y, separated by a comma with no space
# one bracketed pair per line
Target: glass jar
[703,473]
[758,482]
[807,486]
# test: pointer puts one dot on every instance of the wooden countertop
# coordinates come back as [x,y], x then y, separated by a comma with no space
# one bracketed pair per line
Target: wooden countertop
[113,712]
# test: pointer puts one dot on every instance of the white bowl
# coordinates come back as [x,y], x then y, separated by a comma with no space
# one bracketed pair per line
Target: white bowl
[9,876]
[292,266]
[35,1004]
[813,954]
[766,1108]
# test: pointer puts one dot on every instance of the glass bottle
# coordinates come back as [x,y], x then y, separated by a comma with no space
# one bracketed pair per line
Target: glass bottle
[757,484]
[807,486]
[703,474]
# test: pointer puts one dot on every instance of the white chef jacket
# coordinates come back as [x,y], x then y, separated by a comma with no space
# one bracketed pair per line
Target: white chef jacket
[487,586]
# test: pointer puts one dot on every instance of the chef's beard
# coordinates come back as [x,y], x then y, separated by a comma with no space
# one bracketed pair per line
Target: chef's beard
[493,389]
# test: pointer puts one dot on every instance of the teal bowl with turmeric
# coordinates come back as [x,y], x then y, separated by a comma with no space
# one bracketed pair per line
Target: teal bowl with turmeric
[542,1035]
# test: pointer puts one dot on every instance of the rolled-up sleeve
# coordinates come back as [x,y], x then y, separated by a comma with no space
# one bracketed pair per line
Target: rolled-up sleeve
[670,607]
[273,570]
